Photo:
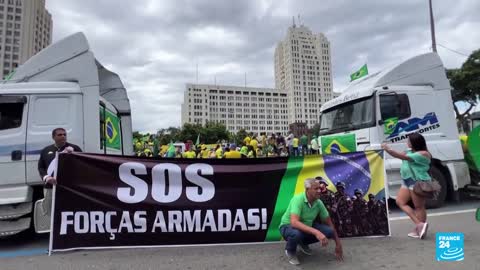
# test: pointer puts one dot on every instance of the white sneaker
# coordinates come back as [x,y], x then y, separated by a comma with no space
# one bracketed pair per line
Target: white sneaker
[413,235]
[292,258]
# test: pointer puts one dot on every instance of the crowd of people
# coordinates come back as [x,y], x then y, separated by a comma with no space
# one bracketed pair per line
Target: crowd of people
[252,146]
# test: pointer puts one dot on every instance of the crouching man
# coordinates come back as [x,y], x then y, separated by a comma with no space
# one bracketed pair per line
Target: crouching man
[299,225]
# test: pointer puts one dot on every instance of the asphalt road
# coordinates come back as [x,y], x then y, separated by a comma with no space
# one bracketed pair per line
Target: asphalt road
[395,252]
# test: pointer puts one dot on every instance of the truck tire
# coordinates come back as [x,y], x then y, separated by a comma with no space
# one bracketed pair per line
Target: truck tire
[437,175]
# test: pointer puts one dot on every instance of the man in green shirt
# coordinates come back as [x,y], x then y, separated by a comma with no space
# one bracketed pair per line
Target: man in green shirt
[299,227]
[304,143]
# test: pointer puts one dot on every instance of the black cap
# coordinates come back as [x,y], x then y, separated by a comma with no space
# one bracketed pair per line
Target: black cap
[321,180]
[340,184]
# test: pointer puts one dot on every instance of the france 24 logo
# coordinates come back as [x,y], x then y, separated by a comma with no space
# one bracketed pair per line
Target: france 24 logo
[449,246]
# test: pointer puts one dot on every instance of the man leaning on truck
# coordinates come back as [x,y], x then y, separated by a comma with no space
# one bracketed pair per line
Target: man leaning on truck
[59,136]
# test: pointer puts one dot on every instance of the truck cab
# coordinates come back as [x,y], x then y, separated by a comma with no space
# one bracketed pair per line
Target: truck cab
[413,96]
[62,86]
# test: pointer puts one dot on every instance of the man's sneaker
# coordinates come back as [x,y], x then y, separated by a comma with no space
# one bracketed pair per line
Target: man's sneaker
[292,258]
[422,230]
[305,249]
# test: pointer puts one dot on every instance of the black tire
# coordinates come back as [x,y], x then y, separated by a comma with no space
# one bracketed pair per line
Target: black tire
[441,178]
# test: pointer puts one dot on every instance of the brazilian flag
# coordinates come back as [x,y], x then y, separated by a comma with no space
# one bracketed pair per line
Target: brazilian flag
[389,125]
[362,72]
[336,144]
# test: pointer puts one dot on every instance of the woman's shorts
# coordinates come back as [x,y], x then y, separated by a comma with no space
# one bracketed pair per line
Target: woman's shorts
[408,183]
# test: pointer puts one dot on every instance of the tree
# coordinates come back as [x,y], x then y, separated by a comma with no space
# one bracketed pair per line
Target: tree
[167,135]
[241,134]
[137,135]
[315,129]
[215,132]
[465,82]
[190,132]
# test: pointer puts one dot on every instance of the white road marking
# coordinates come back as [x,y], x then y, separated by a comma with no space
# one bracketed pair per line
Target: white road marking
[437,214]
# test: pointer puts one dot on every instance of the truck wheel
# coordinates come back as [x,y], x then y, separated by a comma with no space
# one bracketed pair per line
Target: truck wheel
[438,176]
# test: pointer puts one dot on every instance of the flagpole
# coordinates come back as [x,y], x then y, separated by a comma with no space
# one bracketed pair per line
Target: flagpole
[432,27]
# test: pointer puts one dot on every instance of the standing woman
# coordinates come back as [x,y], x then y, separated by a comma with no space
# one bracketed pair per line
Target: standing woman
[415,165]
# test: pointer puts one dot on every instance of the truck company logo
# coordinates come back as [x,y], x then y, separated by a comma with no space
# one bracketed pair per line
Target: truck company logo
[403,128]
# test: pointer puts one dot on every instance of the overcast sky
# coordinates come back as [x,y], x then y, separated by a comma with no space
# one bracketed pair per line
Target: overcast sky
[154,45]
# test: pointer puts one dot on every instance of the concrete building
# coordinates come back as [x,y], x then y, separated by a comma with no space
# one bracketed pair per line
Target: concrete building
[256,110]
[25,29]
[303,69]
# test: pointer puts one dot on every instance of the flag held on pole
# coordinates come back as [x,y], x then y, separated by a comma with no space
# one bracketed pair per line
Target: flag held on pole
[362,72]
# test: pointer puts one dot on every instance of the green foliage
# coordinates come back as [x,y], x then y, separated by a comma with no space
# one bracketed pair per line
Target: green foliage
[209,134]
[315,129]
[241,134]
[465,82]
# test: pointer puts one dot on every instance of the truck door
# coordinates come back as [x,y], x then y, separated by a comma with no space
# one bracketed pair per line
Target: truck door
[47,112]
[13,123]
[394,108]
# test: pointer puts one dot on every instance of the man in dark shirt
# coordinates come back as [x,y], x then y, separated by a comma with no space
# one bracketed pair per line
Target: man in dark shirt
[59,136]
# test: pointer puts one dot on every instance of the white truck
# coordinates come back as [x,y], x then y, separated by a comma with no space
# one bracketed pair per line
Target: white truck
[413,96]
[61,86]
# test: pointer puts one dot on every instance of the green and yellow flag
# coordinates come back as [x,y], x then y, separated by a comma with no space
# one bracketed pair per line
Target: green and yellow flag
[362,72]
[336,144]
[389,125]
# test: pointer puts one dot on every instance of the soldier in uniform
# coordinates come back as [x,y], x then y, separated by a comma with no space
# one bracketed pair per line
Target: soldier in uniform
[382,216]
[340,207]
[361,213]
[327,196]
[350,229]
[372,213]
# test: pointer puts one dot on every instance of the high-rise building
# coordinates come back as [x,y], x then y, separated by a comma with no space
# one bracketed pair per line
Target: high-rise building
[303,69]
[257,110]
[25,29]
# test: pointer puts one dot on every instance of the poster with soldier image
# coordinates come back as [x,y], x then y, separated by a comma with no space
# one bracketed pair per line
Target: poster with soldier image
[353,191]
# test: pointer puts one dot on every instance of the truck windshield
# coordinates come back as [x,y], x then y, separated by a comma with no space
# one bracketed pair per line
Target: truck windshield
[349,116]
